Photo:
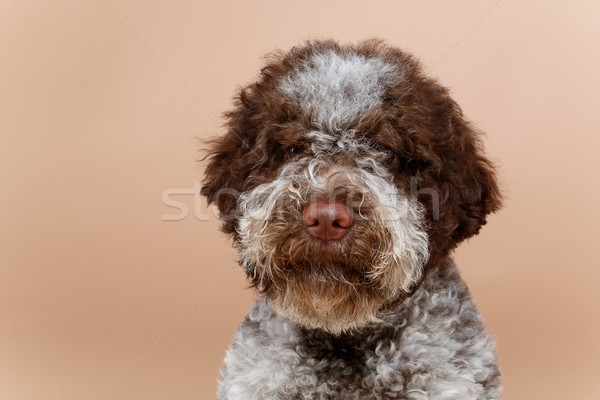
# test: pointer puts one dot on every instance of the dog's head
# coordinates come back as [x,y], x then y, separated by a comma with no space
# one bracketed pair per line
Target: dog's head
[345,174]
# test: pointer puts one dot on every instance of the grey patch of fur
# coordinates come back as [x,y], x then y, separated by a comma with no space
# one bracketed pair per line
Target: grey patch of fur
[432,346]
[337,89]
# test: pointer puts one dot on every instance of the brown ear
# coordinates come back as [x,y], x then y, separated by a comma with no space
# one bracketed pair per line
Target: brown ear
[227,169]
[466,178]
[454,180]
[473,180]
[223,177]
[246,147]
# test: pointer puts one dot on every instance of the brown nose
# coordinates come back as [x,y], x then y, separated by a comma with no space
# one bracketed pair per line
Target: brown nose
[327,220]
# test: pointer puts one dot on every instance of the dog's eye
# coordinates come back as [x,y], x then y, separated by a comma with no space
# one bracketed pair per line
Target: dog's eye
[293,151]
[391,159]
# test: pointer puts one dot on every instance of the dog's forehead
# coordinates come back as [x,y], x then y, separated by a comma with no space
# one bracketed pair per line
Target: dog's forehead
[337,89]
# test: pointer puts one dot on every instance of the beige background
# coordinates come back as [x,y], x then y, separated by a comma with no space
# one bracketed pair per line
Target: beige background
[98,114]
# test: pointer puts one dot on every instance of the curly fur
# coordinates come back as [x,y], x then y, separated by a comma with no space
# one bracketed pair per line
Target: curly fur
[380,313]
[432,346]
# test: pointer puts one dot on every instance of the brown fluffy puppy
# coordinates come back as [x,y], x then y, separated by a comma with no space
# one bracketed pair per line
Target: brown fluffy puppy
[345,178]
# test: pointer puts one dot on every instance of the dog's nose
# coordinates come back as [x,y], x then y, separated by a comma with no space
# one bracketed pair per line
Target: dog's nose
[327,220]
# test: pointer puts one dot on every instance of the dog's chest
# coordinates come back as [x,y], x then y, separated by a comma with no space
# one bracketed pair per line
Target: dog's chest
[273,359]
[431,347]
[357,366]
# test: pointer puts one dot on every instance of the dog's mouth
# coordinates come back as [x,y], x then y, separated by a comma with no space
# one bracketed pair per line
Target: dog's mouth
[333,285]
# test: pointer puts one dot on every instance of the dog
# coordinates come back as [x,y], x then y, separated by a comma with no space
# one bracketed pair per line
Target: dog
[346,177]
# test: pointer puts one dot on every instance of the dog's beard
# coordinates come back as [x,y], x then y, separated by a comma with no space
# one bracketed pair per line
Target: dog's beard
[337,285]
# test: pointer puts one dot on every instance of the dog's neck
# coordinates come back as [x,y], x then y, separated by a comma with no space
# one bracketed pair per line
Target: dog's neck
[392,320]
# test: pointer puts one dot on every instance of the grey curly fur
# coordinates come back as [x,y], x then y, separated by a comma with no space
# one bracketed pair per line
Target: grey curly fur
[432,346]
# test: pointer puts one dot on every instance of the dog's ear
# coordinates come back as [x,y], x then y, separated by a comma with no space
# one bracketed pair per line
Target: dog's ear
[223,177]
[245,147]
[467,181]
[454,180]
[227,167]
